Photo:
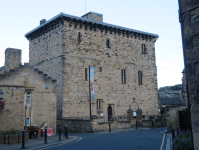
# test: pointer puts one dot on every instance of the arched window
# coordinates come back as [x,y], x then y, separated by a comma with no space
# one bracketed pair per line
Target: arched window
[108,43]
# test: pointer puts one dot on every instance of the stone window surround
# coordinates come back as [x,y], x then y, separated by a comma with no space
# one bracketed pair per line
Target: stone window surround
[99,105]
[28,98]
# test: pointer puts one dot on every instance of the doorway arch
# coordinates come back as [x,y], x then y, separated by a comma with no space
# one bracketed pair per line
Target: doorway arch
[109,112]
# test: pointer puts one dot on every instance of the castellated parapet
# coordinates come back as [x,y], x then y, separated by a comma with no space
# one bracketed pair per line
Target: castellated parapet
[66,45]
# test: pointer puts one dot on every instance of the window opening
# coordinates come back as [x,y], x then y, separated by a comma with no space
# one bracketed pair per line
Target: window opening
[86,74]
[99,105]
[100,69]
[79,37]
[108,44]
[140,75]
[123,76]
[28,99]
[27,123]
[144,49]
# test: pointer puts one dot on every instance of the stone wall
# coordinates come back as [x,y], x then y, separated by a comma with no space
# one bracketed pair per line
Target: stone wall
[42,108]
[12,116]
[172,116]
[89,126]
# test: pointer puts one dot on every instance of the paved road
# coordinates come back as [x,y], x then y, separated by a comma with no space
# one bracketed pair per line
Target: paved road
[125,140]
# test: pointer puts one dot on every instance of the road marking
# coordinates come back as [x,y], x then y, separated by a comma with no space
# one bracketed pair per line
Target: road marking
[80,138]
[162,142]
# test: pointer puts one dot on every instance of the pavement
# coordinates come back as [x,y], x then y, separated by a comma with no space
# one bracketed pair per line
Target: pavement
[36,144]
[122,139]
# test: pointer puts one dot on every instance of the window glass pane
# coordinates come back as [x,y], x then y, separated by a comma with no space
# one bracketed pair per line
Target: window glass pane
[28,121]
[28,99]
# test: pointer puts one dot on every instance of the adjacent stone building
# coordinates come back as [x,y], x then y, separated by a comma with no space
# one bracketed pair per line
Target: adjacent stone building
[124,64]
[189,21]
[30,96]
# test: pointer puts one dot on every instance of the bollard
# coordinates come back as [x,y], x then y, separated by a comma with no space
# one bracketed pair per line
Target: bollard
[8,138]
[109,127]
[45,136]
[173,133]
[5,138]
[66,132]
[152,124]
[18,136]
[177,130]
[41,132]
[23,140]
[135,124]
[59,134]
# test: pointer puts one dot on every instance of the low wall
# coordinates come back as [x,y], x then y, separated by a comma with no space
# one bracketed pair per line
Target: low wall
[90,126]
[156,122]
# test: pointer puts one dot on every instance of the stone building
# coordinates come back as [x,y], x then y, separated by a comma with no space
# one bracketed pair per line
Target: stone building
[175,107]
[123,59]
[189,21]
[29,94]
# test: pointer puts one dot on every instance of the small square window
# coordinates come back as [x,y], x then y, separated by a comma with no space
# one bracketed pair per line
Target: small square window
[100,69]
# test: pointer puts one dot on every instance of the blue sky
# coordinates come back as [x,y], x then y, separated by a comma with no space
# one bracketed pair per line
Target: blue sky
[154,16]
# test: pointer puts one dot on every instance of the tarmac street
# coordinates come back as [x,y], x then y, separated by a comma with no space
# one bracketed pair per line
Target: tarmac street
[150,139]
[124,139]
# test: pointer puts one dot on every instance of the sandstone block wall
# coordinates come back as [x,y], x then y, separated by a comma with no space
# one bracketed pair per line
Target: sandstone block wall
[43,98]
[12,116]
[172,116]
[67,58]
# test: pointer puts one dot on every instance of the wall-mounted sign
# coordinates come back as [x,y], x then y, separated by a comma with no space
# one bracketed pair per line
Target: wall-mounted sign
[1,93]
[92,83]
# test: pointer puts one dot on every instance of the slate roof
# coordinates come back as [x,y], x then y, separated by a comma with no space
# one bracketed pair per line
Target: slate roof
[170,101]
[89,20]
[1,68]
